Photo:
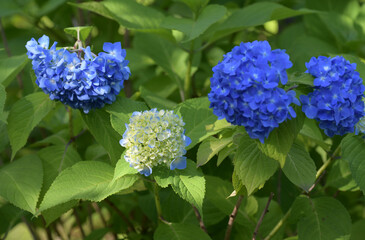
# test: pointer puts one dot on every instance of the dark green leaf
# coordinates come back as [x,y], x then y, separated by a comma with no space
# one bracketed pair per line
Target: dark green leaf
[155,101]
[194,5]
[21,182]
[98,122]
[96,7]
[252,166]
[24,116]
[209,148]
[299,167]
[339,176]
[10,67]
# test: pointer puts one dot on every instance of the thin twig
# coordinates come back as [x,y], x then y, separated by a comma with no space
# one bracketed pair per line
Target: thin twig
[266,210]
[78,221]
[48,231]
[232,217]
[317,181]
[89,214]
[30,228]
[97,209]
[278,225]
[121,214]
[201,223]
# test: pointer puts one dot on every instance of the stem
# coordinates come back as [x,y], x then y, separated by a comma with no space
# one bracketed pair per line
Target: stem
[78,221]
[318,176]
[266,210]
[70,122]
[97,209]
[187,86]
[30,228]
[201,223]
[232,217]
[48,231]
[156,189]
[278,225]
[121,214]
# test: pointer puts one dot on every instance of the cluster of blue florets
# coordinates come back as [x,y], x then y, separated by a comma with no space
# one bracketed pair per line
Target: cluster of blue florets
[245,88]
[336,101]
[80,79]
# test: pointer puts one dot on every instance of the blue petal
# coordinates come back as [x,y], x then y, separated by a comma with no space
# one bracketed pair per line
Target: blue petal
[146,171]
[179,163]
[187,141]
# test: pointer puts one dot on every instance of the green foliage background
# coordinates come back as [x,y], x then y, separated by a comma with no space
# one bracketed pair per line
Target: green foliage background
[61,171]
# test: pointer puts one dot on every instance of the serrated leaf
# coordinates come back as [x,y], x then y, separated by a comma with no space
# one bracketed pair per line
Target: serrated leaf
[121,111]
[252,166]
[21,182]
[225,152]
[96,7]
[210,147]
[200,122]
[55,159]
[83,32]
[280,140]
[87,180]
[178,231]
[325,218]
[122,168]
[98,123]
[133,15]
[353,151]
[53,213]
[24,116]
[10,67]
[299,167]
[193,29]
[188,183]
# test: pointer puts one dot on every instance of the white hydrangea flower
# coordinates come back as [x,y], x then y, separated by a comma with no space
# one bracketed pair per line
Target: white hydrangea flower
[155,137]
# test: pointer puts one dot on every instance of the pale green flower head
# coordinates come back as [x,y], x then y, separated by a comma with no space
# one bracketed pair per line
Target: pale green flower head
[360,126]
[155,137]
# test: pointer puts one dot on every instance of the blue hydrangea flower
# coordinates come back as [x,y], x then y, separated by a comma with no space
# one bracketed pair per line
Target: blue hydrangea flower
[336,101]
[245,88]
[155,137]
[79,79]
[360,126]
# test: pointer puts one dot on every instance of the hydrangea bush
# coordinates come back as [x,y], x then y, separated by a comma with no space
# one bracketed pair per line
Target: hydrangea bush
[239,120]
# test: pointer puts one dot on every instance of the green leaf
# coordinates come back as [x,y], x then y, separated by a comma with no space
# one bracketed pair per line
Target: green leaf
[325,218]
[280,140]
[97,234]
[83,32]
[98,122]
[10,67]
[178,231]
[9,217]
[225,152]
[55,159]
[96,7]
[164,53]
[155,101]
[121,111]
[252,166]
[194,5]
[49,6]
[254,15]
[200,122]
[311,130]
[340,177]
[53,213]
[122,169]
[24,116]
[87,180]
[299,167]
[133,15]
[2,103]
[21,182]
[188,183]
[353,150]
[358,230]
[193,29]
[210,147]
[301,78]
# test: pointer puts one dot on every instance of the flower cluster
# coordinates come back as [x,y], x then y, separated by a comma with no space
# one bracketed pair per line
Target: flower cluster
[336,101]
[155,137]
[244,88]
[81,80]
